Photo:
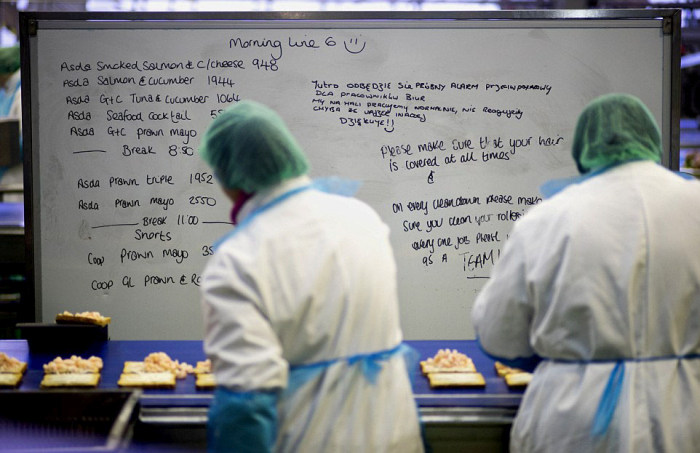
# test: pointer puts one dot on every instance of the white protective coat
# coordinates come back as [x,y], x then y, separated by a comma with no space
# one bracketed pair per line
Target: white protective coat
[606,269]
[309,280]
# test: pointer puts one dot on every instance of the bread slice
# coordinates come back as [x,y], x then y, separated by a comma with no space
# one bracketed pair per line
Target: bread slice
[70,380]
[10,379]
[205,381]
[456,380]
[514,377]
[134,367]
[164,379]
[518,379]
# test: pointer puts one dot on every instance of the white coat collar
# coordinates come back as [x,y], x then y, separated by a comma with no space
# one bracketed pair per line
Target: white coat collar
[267,195]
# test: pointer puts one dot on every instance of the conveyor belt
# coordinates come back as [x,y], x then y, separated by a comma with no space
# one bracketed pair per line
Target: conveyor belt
[472,419]
[114,353]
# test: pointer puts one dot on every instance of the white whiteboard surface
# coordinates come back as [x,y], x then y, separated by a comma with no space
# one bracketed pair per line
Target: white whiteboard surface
[451,130]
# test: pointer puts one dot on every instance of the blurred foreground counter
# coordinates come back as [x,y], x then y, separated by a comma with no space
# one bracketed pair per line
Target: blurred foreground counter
[455,419]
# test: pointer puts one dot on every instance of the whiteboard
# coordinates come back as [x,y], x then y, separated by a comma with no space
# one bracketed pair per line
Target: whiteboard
[450,125]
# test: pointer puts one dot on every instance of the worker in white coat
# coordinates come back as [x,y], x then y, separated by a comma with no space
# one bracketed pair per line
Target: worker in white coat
[10,83]
[601,282]
[11,108]
[300,306]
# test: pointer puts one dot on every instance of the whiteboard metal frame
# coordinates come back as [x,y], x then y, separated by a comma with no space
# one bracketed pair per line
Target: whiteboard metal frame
[668,20]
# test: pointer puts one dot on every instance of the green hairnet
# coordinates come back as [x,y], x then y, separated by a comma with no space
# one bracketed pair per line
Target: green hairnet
[614,129]
[9,60]
[250,148]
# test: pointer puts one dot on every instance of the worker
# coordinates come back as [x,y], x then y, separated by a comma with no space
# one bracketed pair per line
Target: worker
[598,287]
[10,97]
[11,169]
[300,305]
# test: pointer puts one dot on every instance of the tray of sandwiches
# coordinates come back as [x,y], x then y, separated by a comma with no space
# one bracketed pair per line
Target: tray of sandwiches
[94,318]
[11,371]
[70,332]
[74,371]
[159,370]
[451,368]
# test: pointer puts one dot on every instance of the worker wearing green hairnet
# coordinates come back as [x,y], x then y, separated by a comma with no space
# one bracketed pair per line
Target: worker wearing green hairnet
[11,107]
[250,149]
[615,129]
[300,305]
[9,78]
[597,289]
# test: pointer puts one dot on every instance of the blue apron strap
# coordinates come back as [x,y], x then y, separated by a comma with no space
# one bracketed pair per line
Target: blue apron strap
[609,399]
[613,388]
[258,211]
[554,186]
[370,363]
[298,376]
[335,185]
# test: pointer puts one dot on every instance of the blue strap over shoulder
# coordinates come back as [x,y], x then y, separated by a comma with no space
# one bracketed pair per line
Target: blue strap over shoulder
[337,186]
[259,211]
[554,186]
[333,185]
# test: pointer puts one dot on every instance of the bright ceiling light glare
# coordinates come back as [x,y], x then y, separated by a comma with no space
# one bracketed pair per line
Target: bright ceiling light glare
[231,6]
[459,6]
[287,5]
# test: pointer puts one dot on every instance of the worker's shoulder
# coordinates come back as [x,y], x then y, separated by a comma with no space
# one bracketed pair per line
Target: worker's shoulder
[553,216]
[330,204]
[336,198]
